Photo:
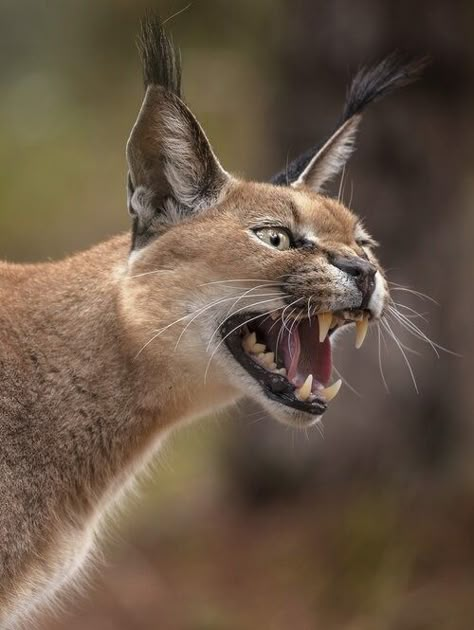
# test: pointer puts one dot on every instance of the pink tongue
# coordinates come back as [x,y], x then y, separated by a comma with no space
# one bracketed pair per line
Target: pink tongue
[314,358]
[321,362]
[291,350]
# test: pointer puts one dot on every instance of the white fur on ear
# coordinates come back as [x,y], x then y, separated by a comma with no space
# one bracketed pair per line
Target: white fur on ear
[188,165]
[140,203]
[331,158]
[173,171]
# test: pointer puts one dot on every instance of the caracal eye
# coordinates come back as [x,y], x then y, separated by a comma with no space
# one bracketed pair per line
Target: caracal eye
[274,237]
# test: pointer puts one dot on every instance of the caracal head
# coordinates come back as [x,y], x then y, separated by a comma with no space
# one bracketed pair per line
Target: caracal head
[248,283]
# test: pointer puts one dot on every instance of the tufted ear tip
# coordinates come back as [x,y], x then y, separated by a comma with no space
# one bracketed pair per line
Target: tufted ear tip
[173,171]
[161,63]
[319,164]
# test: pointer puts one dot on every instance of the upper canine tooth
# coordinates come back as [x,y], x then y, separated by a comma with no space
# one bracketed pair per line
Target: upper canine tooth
[305,390]
[325,320]
[361,331]
[328,393]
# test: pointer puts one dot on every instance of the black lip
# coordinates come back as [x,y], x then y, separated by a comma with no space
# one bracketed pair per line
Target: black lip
[275,386]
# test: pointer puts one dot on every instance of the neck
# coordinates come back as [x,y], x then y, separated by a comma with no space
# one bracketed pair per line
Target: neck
[104,403]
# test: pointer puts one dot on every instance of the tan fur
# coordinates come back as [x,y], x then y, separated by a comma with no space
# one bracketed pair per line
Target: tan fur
[84,396]
[103,353]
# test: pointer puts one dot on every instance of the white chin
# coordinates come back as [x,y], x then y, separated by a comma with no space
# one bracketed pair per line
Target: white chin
[287,415]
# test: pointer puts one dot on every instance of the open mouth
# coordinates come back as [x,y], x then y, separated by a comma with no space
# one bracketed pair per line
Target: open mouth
[291,360]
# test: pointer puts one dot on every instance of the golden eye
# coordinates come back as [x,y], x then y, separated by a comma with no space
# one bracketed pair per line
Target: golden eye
[279,239]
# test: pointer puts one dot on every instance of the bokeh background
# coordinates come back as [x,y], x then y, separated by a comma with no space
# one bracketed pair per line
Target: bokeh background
[367,524]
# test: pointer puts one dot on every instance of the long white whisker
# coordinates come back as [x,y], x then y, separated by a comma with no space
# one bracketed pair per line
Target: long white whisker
[380,334]
[415,330]
[398,305]
[399,287]
[346,383]
[243,296]
[204,284]
[394,337]
[232,331]
[390,317]
[243,308]
[293,323]
[220,301]
[160,331]
[284,310]
[412,328]
[283,320]
[148,273]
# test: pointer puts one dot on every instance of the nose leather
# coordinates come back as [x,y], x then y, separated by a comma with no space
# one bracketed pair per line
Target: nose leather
[362,271]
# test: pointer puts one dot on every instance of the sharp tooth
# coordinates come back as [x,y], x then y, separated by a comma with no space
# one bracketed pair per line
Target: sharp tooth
[328,393]
[361,331]
[325,320]
[305,390]
[334,322]
[258,348]
[249,342]
[281,371]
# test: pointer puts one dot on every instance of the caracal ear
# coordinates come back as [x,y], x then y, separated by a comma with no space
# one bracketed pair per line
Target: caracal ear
[173,172]
[320,164]
[329,160]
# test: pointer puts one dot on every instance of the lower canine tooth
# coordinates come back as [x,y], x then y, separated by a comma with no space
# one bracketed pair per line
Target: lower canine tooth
[325,320]
[305,390]
[361,331]
[328,393]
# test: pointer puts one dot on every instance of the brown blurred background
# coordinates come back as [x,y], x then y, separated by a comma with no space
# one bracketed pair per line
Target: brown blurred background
[247,524]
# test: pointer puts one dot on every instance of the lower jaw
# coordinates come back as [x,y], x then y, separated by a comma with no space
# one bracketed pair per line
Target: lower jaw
[276,388]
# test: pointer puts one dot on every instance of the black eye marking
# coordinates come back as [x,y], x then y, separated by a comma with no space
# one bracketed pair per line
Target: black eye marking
[295,242]
[305,244]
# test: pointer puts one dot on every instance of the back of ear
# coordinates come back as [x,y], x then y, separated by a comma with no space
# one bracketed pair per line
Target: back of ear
[318,165]
[173,172]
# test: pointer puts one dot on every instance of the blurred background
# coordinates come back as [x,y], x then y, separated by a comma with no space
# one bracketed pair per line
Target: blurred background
[367,524]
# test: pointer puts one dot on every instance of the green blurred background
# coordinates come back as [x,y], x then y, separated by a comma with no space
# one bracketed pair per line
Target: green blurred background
[368,524]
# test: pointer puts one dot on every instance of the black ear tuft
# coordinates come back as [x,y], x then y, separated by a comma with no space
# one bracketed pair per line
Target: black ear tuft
[369,85]
[173,172]
[161,63]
